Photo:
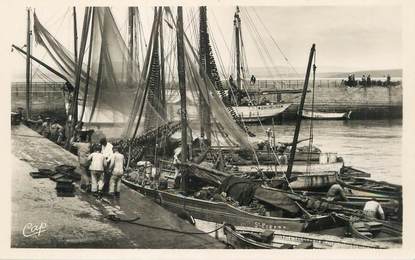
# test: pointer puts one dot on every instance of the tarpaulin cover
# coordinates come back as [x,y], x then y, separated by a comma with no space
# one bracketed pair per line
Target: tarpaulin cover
[277,199]
[239,189]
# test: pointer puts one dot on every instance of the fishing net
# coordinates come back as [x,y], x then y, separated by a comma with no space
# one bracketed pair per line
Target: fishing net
[109,79]
[116,94]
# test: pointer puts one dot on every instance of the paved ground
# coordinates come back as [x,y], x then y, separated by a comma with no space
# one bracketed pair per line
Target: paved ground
[80,221]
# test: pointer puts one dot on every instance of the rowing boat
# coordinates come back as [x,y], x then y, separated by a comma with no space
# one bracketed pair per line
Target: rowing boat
[252,238]
[326,115]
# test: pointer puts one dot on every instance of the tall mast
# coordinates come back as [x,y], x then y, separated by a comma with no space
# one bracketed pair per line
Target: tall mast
[162,76]
[131,33]
[182,82]
[205,128]
[300,114]
[28,86]
[131,13]
[237,25]
[75,38]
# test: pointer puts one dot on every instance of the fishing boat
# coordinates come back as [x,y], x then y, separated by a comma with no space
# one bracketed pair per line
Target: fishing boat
[249,111]
[369,187]
[251,114]
[253,238]
[326,115]
[221,211]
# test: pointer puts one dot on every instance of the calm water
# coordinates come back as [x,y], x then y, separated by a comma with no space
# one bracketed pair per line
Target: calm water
[373,145]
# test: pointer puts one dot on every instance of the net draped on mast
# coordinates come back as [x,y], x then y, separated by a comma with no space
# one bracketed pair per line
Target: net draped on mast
[113,83]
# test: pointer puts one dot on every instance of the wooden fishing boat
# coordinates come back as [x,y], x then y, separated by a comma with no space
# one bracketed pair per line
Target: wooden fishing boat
[254,113]
[369,187]
[376,231]
[353,207]
[219,211]
[326,115]
[251,238]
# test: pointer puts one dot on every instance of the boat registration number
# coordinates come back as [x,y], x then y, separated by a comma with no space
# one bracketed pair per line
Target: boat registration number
[268,226]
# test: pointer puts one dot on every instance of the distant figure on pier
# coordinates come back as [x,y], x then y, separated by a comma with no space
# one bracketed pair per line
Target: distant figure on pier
[253,80]
[117,166]
[369,82]
[364,80]
[388,80]
[36,124]
[56,131]
[230,79]
[336,193]
[354,83]
[373,209]
[98,164]
[45,129]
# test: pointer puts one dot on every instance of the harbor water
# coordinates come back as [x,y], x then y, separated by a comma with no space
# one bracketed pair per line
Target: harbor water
[370,145]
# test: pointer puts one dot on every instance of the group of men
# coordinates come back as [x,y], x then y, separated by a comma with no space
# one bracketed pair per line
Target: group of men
[47,127]
[367,81]
[101,164]
[372,208]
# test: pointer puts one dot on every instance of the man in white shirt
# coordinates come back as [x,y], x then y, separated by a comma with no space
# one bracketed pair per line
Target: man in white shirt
[373,209]
[106,150]
[97,166]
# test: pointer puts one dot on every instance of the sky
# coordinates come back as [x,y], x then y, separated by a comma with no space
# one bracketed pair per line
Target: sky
[347,38]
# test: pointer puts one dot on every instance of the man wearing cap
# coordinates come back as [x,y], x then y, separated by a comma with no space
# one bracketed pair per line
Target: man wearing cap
[336,193]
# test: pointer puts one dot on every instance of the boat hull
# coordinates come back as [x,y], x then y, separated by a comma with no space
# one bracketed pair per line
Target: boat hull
[325,115]
[284,239]
[219,212]
[259,113]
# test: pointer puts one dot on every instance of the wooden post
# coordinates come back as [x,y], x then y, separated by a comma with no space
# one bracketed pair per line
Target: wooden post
[300,114]
[182,82]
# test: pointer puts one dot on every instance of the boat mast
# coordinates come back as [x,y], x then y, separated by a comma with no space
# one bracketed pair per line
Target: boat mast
[162,76]
[28,83]
[75,38]
[237,25]
[205,128]
[131,13]
[131,33]
[74,100]
[182,82]
[300,114]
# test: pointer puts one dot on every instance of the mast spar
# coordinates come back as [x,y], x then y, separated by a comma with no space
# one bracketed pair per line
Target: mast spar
[237,25]
[300,114]
[205,121]
[182,82]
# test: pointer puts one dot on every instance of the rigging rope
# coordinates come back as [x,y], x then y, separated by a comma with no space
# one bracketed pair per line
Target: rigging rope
[276,44]
[132,221]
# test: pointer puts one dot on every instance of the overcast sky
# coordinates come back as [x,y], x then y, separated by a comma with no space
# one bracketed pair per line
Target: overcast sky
[347,37]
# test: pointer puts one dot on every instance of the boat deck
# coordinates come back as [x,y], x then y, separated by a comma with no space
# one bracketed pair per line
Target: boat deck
[80,221]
